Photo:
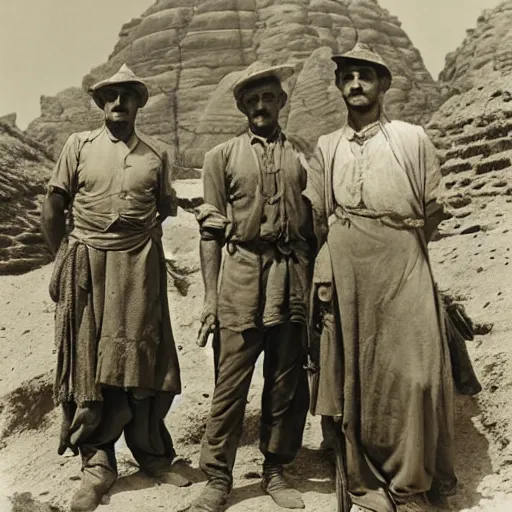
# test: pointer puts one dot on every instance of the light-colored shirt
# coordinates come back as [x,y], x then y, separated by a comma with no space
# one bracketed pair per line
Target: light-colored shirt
[117,189]
[371,177]
[390,170]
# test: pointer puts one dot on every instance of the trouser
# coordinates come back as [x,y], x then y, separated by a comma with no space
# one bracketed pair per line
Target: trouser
[142,421]
[284,403]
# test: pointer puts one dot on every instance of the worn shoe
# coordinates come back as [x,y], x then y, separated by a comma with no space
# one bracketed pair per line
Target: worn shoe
[85,499]
[279,489]
[212,499]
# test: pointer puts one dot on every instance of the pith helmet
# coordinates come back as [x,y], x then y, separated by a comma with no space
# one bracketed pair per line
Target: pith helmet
[259,70]
[124,76]
[362,54]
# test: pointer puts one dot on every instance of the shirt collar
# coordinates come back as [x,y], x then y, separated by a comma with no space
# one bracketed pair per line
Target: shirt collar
[366,133]
[131,143]
[278,135]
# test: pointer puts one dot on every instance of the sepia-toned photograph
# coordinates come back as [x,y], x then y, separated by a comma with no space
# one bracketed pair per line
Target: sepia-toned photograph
[254,256]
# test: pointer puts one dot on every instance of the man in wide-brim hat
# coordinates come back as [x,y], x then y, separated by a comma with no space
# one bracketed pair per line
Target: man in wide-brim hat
[253,206]
[124,78]
[386,378]
[117,367]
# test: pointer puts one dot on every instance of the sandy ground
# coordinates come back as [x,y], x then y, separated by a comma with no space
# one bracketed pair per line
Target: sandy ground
[474,266]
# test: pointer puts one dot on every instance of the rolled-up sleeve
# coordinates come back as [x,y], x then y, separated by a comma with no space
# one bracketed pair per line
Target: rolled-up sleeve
[64,176]
[212,215]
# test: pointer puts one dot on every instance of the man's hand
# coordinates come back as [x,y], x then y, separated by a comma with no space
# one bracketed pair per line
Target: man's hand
[208,322]
[210,253]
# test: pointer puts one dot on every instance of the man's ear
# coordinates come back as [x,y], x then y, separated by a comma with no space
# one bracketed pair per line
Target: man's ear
[283,98]
[240,106]
[385,83]
[337,79]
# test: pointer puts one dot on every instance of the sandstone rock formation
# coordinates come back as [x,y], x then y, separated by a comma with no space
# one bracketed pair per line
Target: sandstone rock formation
[187,49]
[473,127]
[24,171]
[485,52]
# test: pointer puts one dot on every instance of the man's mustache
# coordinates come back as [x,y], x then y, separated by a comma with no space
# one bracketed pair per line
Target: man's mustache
[119,109]
[263,113]
[356,92]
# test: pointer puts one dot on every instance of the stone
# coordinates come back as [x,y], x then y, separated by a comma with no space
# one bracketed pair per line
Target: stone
[472,127]
[190,53]
[25,168]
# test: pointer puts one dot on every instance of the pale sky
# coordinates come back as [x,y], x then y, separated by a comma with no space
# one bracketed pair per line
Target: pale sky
[49,45]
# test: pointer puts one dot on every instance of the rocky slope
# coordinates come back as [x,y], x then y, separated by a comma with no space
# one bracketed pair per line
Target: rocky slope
[472,130]
[187,49]
[473,127]
[474,267]
[24,170]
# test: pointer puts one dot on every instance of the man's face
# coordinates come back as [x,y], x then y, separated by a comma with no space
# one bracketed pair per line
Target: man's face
[360,86]
[121,103]
[261,104]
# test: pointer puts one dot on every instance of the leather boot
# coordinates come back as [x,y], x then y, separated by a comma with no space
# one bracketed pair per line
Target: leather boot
[213,498]
[85,499]
[275,484]
[94,486]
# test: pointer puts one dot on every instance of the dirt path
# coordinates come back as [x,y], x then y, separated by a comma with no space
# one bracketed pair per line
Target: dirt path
[474,266]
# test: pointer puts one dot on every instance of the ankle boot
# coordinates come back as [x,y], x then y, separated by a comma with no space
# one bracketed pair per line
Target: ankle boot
[275,484]
[213,498]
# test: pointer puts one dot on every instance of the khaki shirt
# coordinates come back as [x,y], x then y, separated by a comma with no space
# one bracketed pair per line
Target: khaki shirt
[117,190]
[258,184]
[255,186]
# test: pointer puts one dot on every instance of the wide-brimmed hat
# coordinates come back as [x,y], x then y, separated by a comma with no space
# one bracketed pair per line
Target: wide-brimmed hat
[259,70]
[361,53]
[124,76]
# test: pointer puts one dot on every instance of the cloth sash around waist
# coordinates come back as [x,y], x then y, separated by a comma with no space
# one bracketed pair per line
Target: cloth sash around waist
[388,218]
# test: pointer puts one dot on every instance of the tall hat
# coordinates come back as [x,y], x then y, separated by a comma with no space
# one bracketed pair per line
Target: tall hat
[361,53]
[258,70]
[124,76]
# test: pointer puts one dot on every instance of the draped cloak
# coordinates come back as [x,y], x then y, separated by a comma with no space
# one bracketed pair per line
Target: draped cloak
[386,371]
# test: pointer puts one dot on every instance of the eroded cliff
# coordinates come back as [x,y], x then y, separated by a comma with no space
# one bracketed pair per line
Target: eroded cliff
[186,50]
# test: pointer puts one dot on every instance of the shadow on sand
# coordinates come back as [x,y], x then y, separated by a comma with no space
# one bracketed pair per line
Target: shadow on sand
[140,480]
[472,461]
[312,470]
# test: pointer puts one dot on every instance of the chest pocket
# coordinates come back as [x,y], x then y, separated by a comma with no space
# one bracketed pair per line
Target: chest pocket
[245,201]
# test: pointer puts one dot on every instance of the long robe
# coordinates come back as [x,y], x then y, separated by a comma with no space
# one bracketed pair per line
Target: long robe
[388,372]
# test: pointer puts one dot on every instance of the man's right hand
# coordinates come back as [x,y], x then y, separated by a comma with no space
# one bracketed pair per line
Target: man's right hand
[208,323]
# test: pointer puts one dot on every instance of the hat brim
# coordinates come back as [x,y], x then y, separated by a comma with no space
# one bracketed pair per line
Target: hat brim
[139,87]
[343,61]
[282,73]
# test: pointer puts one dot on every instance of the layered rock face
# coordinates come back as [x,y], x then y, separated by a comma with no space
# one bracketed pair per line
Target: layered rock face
[485,52]
[473,127]
[24,171]
[189,51]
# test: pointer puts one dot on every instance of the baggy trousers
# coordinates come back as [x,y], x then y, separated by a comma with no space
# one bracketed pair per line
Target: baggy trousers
[284,403]
[147,437]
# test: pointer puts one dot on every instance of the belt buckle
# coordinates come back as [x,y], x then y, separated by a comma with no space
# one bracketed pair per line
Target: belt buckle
[284,248]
